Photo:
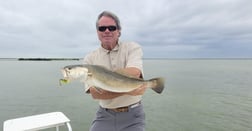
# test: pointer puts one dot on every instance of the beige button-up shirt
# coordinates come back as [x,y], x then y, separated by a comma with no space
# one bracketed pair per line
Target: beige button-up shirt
[127,54]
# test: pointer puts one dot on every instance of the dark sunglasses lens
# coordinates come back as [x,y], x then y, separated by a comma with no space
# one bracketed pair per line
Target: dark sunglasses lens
[102,28]
[110,28]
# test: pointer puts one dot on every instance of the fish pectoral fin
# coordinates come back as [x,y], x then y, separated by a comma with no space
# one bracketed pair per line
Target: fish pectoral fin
[89,74]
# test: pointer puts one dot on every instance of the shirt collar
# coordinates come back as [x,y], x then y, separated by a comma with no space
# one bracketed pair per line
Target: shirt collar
[116,48]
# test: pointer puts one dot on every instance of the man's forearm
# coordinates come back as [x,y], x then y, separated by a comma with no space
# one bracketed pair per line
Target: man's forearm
[131,71]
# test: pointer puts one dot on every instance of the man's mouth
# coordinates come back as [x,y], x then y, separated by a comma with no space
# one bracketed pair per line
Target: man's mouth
[107,36]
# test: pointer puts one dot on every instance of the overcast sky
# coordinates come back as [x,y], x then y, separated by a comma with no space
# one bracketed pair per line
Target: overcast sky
[164,28]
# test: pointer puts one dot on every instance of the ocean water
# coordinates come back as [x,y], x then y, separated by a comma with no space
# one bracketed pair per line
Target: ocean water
[200,95]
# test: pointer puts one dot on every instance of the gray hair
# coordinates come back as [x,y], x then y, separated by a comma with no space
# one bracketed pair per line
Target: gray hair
[111,15]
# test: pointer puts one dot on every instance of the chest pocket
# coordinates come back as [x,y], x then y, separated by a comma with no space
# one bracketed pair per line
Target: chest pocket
[117,60]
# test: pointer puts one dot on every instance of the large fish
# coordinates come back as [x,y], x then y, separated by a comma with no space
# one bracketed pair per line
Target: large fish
[100,77]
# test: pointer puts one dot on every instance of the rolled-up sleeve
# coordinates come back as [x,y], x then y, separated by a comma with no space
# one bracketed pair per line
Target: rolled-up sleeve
[135,56]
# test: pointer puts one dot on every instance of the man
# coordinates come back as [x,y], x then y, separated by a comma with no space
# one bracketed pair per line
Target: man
[118,111]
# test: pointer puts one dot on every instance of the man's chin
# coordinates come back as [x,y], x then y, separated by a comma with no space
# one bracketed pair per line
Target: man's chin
[107,41]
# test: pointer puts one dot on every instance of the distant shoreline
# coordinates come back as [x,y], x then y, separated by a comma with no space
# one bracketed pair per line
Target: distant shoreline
[40,59]
[77,59]
[46,59]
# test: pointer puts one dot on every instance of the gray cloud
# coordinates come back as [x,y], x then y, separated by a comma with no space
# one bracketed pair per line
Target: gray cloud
[164,28]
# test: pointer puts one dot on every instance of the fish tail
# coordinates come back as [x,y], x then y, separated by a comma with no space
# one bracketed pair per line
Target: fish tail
[157,84]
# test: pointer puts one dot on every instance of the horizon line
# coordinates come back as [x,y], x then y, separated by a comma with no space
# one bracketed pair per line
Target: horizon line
[76,58]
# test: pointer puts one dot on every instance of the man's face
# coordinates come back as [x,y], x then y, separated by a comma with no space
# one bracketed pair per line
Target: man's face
[107,34]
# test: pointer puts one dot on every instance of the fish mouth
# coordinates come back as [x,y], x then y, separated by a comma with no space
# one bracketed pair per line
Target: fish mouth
[65,79]
[71,73]
[64,72]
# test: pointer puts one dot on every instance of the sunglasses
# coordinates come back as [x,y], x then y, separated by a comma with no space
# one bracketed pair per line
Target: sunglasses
[110,28]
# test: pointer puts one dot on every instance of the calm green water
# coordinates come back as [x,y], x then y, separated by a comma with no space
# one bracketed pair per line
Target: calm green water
[200,95]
